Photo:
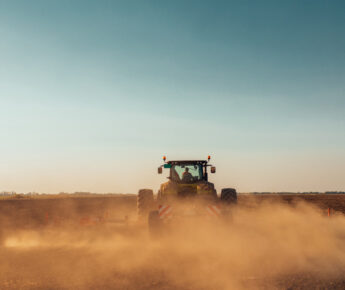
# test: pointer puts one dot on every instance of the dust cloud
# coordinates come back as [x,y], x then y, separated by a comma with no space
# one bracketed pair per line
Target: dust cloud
[262,242]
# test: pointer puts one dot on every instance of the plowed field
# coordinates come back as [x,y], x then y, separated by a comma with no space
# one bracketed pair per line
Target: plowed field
[273,242]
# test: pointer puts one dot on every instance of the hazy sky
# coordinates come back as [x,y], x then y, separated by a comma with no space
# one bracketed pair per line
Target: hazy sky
[93,93]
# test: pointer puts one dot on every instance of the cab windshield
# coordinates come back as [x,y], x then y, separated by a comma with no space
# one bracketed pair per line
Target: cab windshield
[186,173]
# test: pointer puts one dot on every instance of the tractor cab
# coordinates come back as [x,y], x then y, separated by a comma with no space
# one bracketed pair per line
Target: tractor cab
[187,178]
[187,171]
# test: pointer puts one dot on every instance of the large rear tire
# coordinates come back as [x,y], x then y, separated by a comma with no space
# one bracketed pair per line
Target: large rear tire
[228,196]
[144,202]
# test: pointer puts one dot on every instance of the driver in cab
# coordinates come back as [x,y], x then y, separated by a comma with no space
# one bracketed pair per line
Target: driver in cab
[186,176]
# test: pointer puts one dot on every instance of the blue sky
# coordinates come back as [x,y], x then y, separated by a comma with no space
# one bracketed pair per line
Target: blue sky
[93,93]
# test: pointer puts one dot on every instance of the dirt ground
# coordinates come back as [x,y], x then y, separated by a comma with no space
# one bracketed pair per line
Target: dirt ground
[272,242]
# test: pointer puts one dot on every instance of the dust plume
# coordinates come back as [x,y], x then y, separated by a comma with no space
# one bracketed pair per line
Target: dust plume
[261,243]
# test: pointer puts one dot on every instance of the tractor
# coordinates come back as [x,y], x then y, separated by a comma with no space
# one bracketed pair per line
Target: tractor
[187,193]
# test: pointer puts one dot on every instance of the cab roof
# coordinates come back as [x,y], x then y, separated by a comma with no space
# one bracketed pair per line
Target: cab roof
[175,162]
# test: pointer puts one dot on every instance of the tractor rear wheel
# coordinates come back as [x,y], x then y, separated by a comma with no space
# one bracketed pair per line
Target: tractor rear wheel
[228,196]
[144,202]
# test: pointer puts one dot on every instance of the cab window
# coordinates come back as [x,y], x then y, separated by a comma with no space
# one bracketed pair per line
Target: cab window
[186,173]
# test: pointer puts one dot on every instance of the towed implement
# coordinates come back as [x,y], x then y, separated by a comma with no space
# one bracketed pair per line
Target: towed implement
[186,195]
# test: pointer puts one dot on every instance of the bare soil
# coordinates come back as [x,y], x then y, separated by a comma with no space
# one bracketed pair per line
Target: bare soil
[273,242]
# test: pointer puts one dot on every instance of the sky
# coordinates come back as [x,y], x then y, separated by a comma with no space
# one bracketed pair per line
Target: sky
[94,93]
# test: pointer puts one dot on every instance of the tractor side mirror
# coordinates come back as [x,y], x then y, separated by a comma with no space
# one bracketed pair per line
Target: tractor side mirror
[160,170]
[213,169]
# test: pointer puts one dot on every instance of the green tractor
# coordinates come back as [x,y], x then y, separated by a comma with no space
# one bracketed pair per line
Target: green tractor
[187,193]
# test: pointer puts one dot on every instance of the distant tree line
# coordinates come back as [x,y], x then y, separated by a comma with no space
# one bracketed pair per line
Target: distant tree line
[83,193]
[305,192]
